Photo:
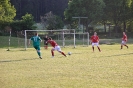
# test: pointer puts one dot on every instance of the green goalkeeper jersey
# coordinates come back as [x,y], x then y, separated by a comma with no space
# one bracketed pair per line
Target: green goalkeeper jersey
[36,40]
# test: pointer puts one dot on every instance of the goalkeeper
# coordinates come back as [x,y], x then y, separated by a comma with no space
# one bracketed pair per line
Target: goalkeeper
[46,42]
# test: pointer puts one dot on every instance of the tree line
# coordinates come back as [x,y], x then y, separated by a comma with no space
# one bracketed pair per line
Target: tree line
[22,14]
[39,7]
[118,13]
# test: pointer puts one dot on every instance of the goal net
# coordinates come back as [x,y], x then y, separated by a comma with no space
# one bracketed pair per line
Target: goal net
[64,37]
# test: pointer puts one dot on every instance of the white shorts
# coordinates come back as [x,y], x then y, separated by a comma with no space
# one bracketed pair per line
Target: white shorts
[57,48]
[95,44]
[123,42]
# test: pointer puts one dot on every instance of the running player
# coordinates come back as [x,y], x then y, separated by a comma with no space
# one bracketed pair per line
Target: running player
[124,40]
[95,41]
[46,42]
[55,47]
[36,43]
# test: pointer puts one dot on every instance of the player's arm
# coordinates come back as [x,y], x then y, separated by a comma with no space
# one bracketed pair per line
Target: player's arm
[90,40]
[47,41]
[97,39]
[40,39]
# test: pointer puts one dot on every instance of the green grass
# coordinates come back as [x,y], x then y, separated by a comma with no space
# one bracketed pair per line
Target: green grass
[111,68]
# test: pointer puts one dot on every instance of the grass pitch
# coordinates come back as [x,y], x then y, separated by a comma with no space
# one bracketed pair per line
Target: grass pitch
[111,68]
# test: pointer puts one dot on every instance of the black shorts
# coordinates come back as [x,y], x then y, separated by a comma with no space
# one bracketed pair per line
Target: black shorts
[45,43]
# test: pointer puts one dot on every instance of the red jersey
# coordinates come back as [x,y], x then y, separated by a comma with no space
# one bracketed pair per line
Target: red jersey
[94,39]
[52,42]
[124,38]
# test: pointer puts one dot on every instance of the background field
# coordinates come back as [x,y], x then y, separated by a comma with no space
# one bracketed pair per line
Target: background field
[111,68]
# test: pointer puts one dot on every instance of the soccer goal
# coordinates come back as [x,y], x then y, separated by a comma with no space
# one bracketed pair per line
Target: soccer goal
[64,37]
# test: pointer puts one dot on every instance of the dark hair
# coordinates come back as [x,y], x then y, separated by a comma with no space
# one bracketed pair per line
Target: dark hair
[36,33]
[50,38]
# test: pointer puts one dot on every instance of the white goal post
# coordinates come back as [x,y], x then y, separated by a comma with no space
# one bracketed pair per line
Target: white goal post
[63,33]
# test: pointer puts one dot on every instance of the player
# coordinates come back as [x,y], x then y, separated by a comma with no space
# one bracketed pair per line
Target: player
[124,40]
[36,43]
[55,47]
[46,42]
[95,41]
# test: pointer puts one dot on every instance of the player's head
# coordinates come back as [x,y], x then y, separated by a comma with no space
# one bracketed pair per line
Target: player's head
[36,34]
[50,38]
[124,33]
[95,33]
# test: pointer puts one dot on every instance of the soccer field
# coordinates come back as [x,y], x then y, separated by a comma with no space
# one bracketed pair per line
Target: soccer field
[111,68]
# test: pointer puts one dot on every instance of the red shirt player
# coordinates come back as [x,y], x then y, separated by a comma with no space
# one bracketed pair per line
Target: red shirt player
[124,40]
[95,41]
[55,47]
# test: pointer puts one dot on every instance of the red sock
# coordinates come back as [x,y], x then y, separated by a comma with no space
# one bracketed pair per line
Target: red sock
[121,46]
[93,48]
[63,53]
[126,46]
[99,48]
[52,52]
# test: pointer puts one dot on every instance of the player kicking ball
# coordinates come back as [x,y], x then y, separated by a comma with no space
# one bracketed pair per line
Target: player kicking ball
[36,43]
[124,40]
[55,47]
[95,41]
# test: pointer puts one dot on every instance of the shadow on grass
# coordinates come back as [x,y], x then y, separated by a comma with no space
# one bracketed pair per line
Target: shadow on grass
[4,61]
[118,55]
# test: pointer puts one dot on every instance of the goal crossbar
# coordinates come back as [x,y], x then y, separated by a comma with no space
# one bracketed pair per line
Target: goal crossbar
[62,30]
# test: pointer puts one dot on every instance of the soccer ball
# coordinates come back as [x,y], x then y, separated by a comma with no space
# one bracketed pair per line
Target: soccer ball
[69,53]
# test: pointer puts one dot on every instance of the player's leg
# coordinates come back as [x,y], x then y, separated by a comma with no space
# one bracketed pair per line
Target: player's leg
[97,44]
[99,48]
[121,46]
[52,52]
[125,44]
[46,46]
[62,53]
[38,51]
[93,46]
[122,43]
[59,50]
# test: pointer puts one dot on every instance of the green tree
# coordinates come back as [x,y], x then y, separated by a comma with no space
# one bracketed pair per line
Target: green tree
[130,22]
[117,12]
[7,13]
[28,22]
[1,12]
[51,21]
[93,9]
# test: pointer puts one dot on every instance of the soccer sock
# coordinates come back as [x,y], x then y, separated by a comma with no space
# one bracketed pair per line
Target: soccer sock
[99,48]
[121,46]
[93,48]
[39,53]
[46,47]
[126,46]
[52,52]
[63,53]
